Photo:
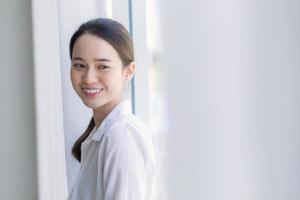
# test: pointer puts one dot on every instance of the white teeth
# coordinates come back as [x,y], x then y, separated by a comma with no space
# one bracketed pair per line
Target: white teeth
[92,91]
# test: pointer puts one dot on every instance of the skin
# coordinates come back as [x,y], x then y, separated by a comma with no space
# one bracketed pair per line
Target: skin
[96,64]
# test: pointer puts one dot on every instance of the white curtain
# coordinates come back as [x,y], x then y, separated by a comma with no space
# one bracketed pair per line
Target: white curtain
[230,71]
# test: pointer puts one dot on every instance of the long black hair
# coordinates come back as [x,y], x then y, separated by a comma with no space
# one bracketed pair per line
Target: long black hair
[118,37]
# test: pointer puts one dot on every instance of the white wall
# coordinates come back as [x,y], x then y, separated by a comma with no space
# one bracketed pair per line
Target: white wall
[18,169]
[231,70]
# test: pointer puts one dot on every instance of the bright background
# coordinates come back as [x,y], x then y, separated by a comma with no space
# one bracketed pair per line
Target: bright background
[217,82]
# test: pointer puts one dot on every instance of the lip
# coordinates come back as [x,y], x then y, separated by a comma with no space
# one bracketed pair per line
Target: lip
[88,94]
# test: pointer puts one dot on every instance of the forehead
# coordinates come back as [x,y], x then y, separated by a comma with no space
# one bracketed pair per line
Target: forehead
[89,46]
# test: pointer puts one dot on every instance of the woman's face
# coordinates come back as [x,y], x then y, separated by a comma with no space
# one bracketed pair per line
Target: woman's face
[97,72]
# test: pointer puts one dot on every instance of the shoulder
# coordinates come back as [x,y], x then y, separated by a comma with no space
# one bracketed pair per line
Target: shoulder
[128,134]
[127,127]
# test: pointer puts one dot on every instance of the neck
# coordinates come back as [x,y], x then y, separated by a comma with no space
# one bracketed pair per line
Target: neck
[100,113]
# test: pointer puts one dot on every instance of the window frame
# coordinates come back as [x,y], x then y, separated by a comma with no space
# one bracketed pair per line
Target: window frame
[140,82]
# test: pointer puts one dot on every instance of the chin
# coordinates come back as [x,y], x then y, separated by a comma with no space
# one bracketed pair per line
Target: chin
[93,105]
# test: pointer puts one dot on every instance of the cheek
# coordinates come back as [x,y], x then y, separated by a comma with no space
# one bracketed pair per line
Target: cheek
[116,81]
[75,78]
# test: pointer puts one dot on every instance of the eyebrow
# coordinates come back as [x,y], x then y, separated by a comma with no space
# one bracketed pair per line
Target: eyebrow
[97,59]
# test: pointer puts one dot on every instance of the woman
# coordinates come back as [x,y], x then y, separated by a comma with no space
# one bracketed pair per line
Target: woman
[115,151]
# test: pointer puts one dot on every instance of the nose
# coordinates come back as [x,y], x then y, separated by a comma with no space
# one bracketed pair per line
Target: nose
[90,76]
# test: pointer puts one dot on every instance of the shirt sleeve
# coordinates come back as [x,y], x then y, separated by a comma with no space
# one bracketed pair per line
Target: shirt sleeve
[124,165]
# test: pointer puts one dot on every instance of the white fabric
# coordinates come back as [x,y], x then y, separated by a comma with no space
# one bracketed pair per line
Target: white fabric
[117,160]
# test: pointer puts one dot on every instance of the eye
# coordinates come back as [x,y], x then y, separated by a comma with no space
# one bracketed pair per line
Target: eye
[78,65]
[102,67]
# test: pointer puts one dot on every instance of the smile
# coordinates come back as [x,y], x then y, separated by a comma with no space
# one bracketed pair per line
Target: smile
[92,91]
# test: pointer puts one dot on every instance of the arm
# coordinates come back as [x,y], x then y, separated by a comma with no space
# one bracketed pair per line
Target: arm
[124,165]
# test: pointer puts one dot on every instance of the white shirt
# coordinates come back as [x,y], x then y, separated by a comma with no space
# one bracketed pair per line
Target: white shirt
[117,160]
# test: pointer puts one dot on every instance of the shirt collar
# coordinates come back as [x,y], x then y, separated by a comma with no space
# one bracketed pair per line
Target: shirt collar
[122,108]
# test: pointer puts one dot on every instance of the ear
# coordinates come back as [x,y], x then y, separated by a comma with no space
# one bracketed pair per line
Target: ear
[129,71]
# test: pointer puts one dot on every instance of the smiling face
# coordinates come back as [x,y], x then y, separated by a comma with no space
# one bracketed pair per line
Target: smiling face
[97,72]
